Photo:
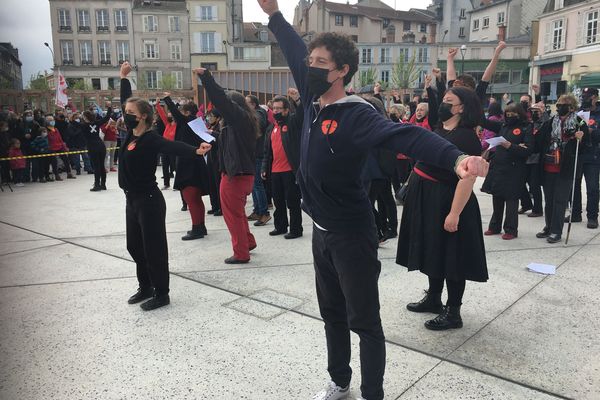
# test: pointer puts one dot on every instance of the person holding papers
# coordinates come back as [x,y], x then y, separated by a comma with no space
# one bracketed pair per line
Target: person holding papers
[192,174]
[146,209]
[508,169]
[237,162]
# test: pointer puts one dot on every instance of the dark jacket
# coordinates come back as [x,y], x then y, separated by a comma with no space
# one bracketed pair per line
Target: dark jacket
[335,141]
[26,128]
[263,126]
[237,142]
[75,138]
[290,138]
[190,171]
[567,162]
[91,132]
[508,169]
[591,151]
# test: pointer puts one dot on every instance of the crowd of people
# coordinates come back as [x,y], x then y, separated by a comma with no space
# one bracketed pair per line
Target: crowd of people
[345,159]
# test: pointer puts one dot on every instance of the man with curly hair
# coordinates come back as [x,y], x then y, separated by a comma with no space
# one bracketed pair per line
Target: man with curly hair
[338,131]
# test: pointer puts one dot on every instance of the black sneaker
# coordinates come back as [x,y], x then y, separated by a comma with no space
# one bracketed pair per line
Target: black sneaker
[276,232]
[103,187]
[184,207]
[293,235]
[574,218]
[156,302]
[543,234]
[96,189]
[140,295]
[218,213]
[592,224]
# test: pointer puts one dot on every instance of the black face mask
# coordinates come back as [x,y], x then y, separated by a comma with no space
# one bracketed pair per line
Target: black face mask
[445,112]
[279,117]
[525,105]
[563,109]
[317,81]
[169,119]
[131,121]
[511,120]
[394,118]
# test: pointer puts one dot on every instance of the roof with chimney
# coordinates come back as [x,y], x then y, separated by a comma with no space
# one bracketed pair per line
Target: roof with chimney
[378,13]
[567,3]
[252,32]
[159,5]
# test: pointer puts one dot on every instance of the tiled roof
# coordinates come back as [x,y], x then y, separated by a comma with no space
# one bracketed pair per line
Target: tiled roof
[376,13]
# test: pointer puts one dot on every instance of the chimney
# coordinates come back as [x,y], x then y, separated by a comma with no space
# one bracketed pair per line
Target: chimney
[501,33]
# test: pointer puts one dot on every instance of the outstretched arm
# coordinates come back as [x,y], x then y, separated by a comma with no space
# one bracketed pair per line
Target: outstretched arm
[491,68]
[292,46]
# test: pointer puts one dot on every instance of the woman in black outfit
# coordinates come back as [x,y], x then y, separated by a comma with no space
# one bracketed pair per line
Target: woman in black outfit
[145,210]
[192,174]
[508,171]
[440,232]
[95,145]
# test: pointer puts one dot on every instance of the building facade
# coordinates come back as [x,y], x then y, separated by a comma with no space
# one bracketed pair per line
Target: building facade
[209,27]
[10,69]
[568,47]
[90,39]
[162,45]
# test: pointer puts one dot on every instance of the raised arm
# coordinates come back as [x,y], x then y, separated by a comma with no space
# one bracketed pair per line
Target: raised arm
[292,46]
[106,117]
[450,70]
[177,115]
[125,84]
[491,68]
[228,108]
[161,112]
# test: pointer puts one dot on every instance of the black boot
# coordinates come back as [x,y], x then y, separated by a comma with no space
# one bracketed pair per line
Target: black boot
[431,303]
[141,294]
[196,233]
[448,319]
[203,228]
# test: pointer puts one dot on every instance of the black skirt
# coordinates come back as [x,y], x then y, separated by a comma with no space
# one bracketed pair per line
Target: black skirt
[424,245]
[191,172]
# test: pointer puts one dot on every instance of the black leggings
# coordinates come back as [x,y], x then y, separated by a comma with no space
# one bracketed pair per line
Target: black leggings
[97,156]
[456,289]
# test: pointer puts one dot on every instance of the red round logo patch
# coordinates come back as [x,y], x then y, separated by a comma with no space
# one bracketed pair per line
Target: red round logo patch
[284,128]
[516,132]
[329,126]
[131,146]
[591,122]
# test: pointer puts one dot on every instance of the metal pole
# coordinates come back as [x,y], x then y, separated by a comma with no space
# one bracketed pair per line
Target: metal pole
[462,64]
[572,193]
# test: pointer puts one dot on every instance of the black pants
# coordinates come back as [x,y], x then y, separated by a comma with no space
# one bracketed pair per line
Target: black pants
[214,183]
[168,166]
[286,196]
[403,168]
[456,289]
[556,192]
[387,206]
[591,171]
[381,214]
[97,156]
[147,239]
[534,181]
[347,273]
[511,221]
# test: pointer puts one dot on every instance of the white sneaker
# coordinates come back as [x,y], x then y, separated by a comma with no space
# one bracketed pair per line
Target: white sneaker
[332,392]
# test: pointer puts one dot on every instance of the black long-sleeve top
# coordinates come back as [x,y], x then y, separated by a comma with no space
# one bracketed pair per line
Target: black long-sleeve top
[138,155]
[91,131]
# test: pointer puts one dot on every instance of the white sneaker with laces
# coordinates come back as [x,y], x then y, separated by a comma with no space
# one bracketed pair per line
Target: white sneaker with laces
[332,392]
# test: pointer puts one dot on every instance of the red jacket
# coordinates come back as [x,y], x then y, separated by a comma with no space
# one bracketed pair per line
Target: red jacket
[55,142]
[422,124]
[16,164]
[110,133]
[170,127]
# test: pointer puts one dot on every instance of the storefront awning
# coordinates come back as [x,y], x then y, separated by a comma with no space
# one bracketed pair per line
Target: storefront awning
[591,80]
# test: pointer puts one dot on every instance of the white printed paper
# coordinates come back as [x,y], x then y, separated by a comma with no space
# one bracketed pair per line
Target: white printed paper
[199,128]
[585,115]
[495,141]
[542,268]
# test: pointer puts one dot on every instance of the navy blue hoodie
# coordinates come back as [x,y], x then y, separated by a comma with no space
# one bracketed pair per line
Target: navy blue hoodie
[335,141]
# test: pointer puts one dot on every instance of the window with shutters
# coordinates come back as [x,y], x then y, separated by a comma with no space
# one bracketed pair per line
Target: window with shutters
[557,34]
[150,49]
[102,20]
[122,51]
[121,20]
[150,23]
[366,56]
[385,55]
[386,23]
[64,20]
[423,28]
[461,32]
[83,21]
[207,42]
[403,55]
[66,47]
[339,20]
[104,52]
[591,27]
[406,26]
[385,76]
[486,22]
[177,79]
[422,55]
[175,47]
[153,79]
[463,13]
[174,24]
[354,20]
[475,24]
[85,47]
[206,13]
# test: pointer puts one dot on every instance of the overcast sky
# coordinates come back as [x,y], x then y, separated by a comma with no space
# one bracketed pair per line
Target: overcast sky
[26,24]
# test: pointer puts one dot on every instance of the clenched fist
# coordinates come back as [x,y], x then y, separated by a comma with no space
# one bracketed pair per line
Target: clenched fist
[270,7]
[125,69]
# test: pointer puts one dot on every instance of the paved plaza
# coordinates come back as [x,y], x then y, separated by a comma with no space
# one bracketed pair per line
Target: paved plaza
[254,331]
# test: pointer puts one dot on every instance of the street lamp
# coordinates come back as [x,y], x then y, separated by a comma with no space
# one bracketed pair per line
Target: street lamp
[51,52]
[463,51]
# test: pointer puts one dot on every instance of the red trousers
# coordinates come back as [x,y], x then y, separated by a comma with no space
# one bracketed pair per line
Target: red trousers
[234,190]
[193,197]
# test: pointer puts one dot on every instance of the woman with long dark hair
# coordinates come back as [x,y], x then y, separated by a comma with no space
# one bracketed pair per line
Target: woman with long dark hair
[440,232]
[237,163]
[146,209]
